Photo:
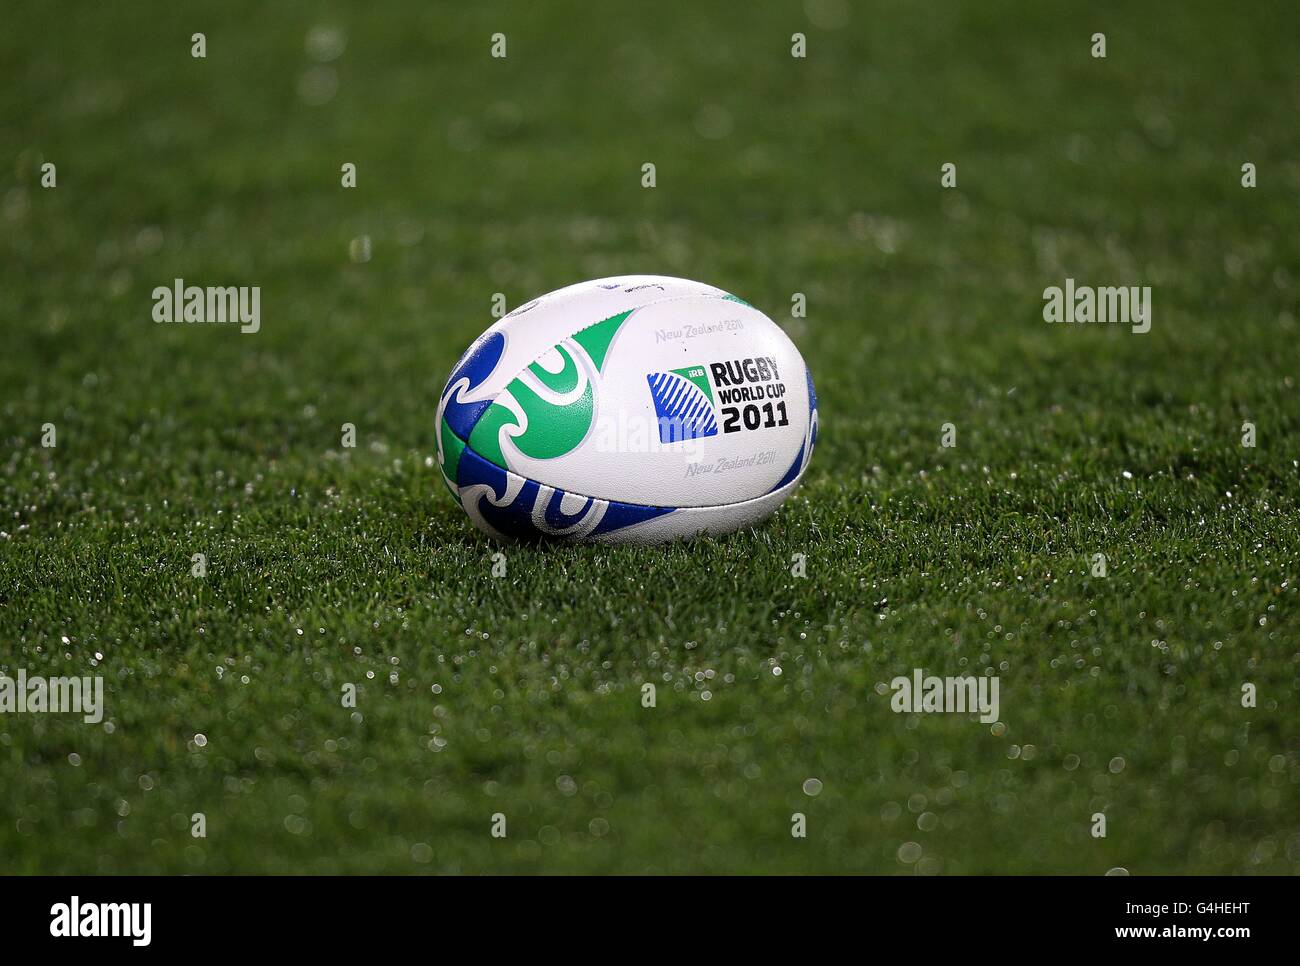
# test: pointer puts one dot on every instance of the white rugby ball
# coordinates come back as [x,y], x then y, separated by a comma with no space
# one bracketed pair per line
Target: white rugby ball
[635,409]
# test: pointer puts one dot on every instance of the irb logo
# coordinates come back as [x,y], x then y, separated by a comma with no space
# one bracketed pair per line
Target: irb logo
[683,404]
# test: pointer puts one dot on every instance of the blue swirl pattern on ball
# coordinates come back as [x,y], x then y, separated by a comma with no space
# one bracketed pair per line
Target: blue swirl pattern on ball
[474,367]
[521,508]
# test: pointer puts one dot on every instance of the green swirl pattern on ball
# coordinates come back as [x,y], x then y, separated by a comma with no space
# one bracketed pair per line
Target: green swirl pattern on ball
[452,447]
[551,429]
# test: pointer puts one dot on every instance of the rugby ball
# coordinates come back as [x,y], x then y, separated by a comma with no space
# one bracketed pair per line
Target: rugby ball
[636,409]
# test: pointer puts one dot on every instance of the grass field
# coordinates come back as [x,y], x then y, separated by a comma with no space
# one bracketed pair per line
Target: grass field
[776,175]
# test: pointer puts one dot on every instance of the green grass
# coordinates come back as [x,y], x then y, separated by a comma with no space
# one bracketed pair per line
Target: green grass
[329,565]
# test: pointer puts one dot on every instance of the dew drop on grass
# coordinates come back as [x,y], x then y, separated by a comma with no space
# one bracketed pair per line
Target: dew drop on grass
[909,852]
[325,42]
[929,865]
[318,85]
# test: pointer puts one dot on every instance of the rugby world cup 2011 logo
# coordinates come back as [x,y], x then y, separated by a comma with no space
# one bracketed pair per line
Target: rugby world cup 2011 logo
[684,404]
